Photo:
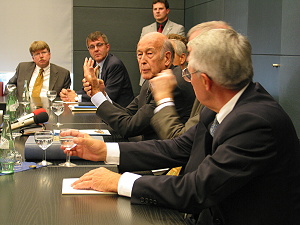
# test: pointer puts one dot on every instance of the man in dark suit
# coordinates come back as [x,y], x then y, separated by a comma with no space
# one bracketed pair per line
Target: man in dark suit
[109,68]
[243,171]
[154,53]
[54,77]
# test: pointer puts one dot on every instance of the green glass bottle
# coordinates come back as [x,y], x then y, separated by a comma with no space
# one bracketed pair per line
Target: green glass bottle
[12,102]
[7,147]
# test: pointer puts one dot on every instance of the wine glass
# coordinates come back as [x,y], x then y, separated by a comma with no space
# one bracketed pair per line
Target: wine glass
[44,139]
[58,109]
[18,155]
[51,95]
[67,142]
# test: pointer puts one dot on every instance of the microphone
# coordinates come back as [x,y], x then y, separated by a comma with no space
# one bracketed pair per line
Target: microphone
[41,117]
[30,115]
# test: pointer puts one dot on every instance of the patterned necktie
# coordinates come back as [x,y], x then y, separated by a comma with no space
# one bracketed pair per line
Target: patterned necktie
[36,91]
[160,28]
[97,73]
[214,126]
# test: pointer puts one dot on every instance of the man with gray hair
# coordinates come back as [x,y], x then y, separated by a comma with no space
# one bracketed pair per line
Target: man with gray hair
[154,54]
[166,121]
[239,167]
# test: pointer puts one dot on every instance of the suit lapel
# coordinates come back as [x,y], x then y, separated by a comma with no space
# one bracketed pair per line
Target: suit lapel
[53,76]
[167,29]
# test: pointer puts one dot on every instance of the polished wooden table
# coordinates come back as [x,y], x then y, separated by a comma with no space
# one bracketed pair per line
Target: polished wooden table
[34,196]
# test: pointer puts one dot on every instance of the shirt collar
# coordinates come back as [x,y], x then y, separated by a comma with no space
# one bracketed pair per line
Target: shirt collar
[163,24]
[45,69]
[227,108]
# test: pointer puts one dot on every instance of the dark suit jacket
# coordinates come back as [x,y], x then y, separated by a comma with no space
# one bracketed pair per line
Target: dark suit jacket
[59,77]
[134,120]
[248,173]
[116,80]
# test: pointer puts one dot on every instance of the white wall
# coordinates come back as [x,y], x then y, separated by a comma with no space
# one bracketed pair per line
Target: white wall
[24,21]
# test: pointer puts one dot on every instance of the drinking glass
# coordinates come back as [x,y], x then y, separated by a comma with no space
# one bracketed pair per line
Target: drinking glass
[44,139]
[67,142]
[18,156]
[58,109]
[51,95]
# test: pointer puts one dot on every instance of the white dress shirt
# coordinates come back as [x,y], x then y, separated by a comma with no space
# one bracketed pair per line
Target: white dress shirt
[46,80]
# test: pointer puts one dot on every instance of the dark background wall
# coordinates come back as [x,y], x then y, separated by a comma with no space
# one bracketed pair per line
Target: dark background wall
[272,27]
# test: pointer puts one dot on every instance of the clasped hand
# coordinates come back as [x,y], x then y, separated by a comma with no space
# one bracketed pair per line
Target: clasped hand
[92,85]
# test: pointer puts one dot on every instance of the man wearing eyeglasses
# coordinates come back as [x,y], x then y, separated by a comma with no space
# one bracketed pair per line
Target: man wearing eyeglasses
[166,121]
[108,68]
[241,160]
[52,77]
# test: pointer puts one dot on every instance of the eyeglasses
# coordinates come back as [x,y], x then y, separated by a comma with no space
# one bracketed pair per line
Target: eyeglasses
[98,45]
[188,76]
[41,53]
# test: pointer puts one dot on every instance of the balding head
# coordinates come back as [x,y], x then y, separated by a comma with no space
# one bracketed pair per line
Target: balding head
[154,54]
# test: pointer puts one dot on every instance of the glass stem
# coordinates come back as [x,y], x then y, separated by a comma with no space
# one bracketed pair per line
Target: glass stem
[44,155]
[68,157]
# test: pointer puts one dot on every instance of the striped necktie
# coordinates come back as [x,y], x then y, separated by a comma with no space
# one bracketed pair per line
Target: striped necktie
[36,91]
[214,126]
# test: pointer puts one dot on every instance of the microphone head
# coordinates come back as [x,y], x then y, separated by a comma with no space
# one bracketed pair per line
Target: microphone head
[42,117]
[37,111]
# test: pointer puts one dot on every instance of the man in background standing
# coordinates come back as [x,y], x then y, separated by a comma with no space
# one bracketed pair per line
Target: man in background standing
[162,23]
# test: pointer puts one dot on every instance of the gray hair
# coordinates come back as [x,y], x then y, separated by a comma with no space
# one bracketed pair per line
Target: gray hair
[179,47]
[224,55]
[205,26]
[167,47]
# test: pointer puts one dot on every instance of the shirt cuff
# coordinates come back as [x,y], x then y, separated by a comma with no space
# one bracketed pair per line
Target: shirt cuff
[99,98]
[126,182]
[163,105]
[113,153]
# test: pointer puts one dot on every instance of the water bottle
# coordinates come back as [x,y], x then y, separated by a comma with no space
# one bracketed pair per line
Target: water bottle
[7,147]
[12,102]
[25,101]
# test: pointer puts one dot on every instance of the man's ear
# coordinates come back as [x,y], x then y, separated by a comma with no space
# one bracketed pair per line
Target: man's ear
[167,59]
[182,58]
[207,82]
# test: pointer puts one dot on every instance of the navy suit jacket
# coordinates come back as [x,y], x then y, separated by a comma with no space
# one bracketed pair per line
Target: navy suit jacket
[59,77]
[248,173]
[116,80]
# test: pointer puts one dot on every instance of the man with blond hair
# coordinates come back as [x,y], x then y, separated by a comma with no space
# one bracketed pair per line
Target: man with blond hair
[52,77]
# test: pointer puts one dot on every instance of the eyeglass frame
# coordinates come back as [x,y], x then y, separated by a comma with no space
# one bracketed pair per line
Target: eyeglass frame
[98,45]
[187,76]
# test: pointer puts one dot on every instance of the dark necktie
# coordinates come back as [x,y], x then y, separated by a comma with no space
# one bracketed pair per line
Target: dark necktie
[160,28]
[38,84]
[214,126]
